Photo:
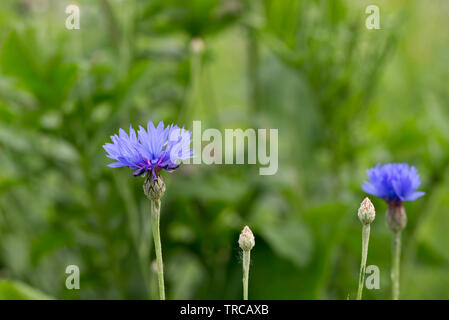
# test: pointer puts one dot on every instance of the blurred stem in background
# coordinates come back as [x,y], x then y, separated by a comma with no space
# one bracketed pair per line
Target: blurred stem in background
[141,236]
[253,52]
[253,68]
[196,50]
[113,26]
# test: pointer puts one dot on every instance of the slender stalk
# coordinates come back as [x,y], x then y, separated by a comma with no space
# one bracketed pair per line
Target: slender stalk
[365,241]
[114,29]
[396,264]
[253,68]
[246,262]
[192,92]
[155,213]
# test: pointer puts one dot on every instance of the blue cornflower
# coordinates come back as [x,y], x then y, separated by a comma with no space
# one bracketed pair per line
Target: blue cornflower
[157,148]
[393,182]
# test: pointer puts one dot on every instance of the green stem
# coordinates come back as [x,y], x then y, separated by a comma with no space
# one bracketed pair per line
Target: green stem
[155,213]
[192,91]
[246,262]
[253,68]
[365,241]
[396,264]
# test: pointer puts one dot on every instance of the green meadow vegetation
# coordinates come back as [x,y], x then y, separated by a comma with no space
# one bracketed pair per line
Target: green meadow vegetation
[342,97]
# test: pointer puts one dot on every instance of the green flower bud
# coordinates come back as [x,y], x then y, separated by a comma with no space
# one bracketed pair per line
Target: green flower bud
[366,213]
[154,188]
[396,218]
[246,240]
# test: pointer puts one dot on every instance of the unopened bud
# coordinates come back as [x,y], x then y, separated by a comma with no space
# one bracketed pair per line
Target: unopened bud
[396,218]
[366,213]
[197,45]
[154,266]
[246,240]
[154,188]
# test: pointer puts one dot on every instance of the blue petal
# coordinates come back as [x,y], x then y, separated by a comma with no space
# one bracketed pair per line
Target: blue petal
[393,181]
[149,150]
[413,196]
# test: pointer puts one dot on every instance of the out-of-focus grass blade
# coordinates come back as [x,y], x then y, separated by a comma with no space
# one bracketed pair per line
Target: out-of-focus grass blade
[13,290]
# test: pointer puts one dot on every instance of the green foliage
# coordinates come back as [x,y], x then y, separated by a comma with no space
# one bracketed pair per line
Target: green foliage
[343,98]
[12,290]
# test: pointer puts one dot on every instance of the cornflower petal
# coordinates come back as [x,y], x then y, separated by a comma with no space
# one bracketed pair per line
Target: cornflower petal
[157,148]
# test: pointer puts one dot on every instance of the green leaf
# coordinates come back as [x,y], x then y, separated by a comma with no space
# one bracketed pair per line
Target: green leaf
[47,243]
[13,290]
[17,61]
[185,280]
[432,229]
[290,240]
[48,78]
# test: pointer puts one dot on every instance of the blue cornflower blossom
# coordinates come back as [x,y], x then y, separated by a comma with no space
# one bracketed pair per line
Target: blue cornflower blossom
[157,148]
[152,150]
[393,182]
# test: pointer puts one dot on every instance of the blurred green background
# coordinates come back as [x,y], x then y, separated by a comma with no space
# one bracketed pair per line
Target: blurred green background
[343,97]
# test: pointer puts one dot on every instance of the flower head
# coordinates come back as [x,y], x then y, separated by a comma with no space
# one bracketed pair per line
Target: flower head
[157,148]
[393,182]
